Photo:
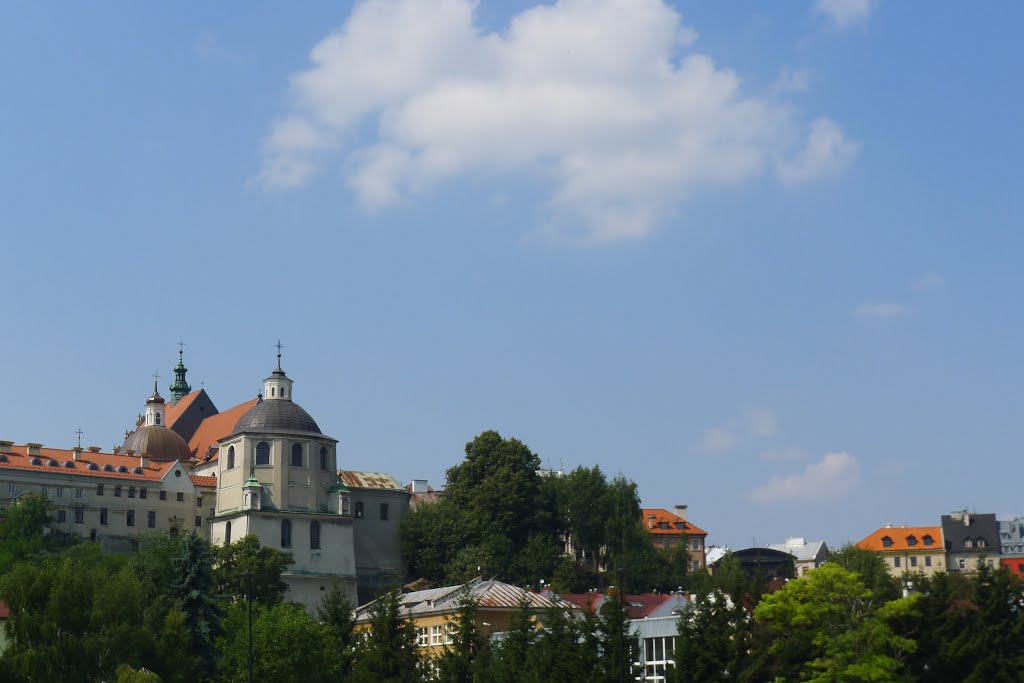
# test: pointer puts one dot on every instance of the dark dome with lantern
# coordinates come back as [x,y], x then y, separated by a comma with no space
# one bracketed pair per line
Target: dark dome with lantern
[281,415]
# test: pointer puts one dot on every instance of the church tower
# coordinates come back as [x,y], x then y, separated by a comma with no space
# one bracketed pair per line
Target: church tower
[179,387]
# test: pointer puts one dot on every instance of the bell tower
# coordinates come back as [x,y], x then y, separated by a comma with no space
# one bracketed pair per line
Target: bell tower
[179,387]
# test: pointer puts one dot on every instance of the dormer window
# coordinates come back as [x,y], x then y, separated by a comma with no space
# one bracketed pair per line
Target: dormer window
[663,525]
[968,543]
[928,540]
[980,543]
[911,540]
[886,542]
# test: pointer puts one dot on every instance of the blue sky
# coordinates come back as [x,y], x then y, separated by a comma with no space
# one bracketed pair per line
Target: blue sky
[761,259]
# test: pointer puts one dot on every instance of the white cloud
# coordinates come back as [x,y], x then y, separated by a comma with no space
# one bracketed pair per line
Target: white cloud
[761,423]
[832,478]
[784,453]
[718,440]
[827,153]
[603,100]
[845,13]
[928,281]
[791,81]
[880,310]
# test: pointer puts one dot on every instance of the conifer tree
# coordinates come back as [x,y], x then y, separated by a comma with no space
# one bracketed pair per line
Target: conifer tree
[388,652]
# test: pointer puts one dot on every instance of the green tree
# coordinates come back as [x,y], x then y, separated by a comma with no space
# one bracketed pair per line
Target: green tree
[23,529]
[511,651]
[336,612]
[870,567]
[246,564]
[126,674]
[432,537]
[289,646]
[614,640]
[826,626]
[714,640]
[464,660]
[388,653]
[193,589]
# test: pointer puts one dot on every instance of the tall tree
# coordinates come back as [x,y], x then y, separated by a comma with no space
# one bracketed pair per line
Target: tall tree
[336,612]
[194,588]
[464,660]
[23,529]
[247,565]
[511,651]
[388,653]
[714,640]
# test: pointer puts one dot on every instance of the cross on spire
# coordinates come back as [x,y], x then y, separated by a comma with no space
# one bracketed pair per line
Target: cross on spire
[79,432]
[279,346]
[181,349]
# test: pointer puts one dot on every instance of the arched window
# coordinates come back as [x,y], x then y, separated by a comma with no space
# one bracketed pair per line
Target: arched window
[37,461]
[314,535]
[231,457]
[284,392]
[122,469]
[286,533]
[296,455]
[323,459]
[108,468]
[157,416]
[227,534]
[69,465]
[263,453]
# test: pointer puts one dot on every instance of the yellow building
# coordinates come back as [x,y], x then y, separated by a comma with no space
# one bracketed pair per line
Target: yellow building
[908,550]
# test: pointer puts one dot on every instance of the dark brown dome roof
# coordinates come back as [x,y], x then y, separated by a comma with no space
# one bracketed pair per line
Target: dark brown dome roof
[157,443]
[277,415]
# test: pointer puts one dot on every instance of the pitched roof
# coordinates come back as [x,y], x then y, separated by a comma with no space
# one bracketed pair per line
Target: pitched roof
[174,410]
[370,480]
[673,524]
[638,606]
[19,459]
[800,549]
[215,428]
[204,481]
[900,539]
[490,594]
[961,526]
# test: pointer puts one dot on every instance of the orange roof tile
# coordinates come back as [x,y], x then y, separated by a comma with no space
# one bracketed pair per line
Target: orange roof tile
[899,539]
[215,428]
[208,482]
[18,459]
[664,516]
[174,410]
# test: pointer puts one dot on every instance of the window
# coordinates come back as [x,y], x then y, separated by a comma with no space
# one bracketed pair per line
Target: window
[895,561]
[695,565]
[286,533]
[131,491]
[314,535]
[103,516]
[11,488]
[199,520]
[151,519]
[422,637]
[323,459]
[980,543]
[384,511]
[663,525]
[886,542]
[296,455]
[79,515]
[962,563]
[142,493]
[60,491]
[359,509]
[695,544]
[231,457]
[117,492]
[968,543]
[263,453]
[163,495]
[273,391]
[913,561]
[199,501]
[130,517]
[181,497]
[78,493]
[227,534]
[157,418]
[45,490]
[62,516]
[99,489]
[928,561]
[436,635]
[928,540]
[911,540]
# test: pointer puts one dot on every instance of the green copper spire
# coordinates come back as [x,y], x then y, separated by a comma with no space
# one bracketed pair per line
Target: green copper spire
[179,387]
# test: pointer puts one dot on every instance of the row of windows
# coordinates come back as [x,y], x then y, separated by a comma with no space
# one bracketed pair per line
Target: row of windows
[297,459]
[974,543]
[45,490]
[70,465]
[286,534]
[913,561]
[436,635]
[384,510]
[911,540]
[101,489]
[129,517]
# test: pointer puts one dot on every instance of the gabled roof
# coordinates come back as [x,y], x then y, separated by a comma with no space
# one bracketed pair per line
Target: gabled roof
[370,480]
[490,594]
[174,410]
[961,526]
[215,428]
[904,538]
[676,524]
[19,459]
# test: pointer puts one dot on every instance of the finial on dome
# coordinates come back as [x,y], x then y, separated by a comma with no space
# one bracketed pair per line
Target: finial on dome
[279,347]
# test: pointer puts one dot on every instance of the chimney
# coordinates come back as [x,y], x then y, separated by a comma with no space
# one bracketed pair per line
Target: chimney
[681,511]
[94,449]
[76,453]
[419,486]
[33,448]
[5,446]
[143,461]
[650,521]
[888,525]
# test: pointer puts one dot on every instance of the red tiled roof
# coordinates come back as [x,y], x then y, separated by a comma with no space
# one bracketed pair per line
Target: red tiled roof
[215,428]
[637,606]
[208,482]
[664,516]
[18,459]
[899,537]
[172,411]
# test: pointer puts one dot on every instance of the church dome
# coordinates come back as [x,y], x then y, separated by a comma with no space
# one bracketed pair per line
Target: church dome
[157,443]
[277,416]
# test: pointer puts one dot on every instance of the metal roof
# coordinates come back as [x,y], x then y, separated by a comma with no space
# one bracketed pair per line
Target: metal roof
[370,480]
[490,594]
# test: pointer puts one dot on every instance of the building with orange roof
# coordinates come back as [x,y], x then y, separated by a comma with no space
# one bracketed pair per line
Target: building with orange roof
[669,529]
[908,549]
